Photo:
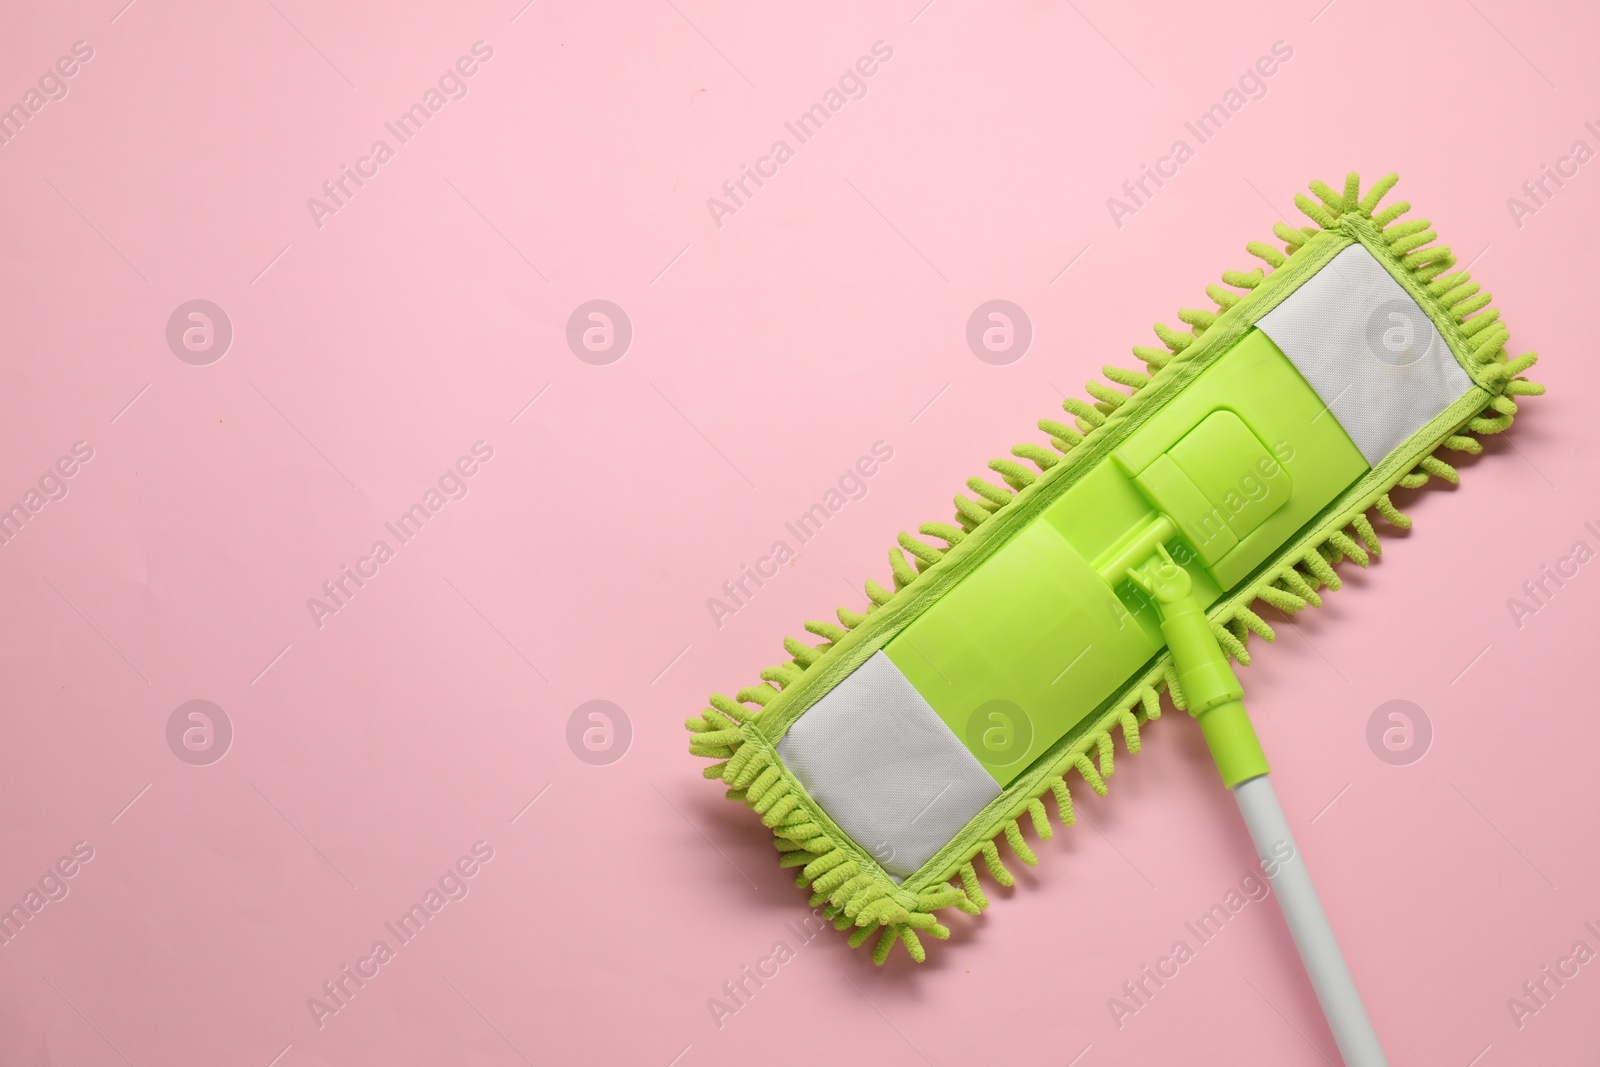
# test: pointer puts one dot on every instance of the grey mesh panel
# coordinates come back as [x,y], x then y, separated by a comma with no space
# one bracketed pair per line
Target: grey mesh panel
[886,768]
[1368,350]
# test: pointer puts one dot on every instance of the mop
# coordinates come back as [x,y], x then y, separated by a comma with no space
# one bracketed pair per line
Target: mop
[1124,558]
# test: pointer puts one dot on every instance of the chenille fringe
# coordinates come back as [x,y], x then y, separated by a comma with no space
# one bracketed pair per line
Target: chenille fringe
[844,880]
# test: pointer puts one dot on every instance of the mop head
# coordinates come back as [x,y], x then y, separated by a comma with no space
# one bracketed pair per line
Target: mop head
[1258,446]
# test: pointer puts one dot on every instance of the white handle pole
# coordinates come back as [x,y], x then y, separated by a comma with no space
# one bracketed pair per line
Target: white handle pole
[1319,951]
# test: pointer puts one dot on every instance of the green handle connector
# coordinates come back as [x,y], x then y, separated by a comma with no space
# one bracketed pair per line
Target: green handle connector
[1209,685]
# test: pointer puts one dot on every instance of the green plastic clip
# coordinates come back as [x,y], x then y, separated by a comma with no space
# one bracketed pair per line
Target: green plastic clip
[1210,687]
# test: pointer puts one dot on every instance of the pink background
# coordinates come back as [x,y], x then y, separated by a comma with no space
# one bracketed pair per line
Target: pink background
[826,314]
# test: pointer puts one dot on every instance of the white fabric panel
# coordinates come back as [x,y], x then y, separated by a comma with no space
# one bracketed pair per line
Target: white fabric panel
[1372,355]
[886,768]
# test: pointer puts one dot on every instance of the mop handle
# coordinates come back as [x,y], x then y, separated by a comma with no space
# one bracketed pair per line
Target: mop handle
[1286,869]
[1214,697]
